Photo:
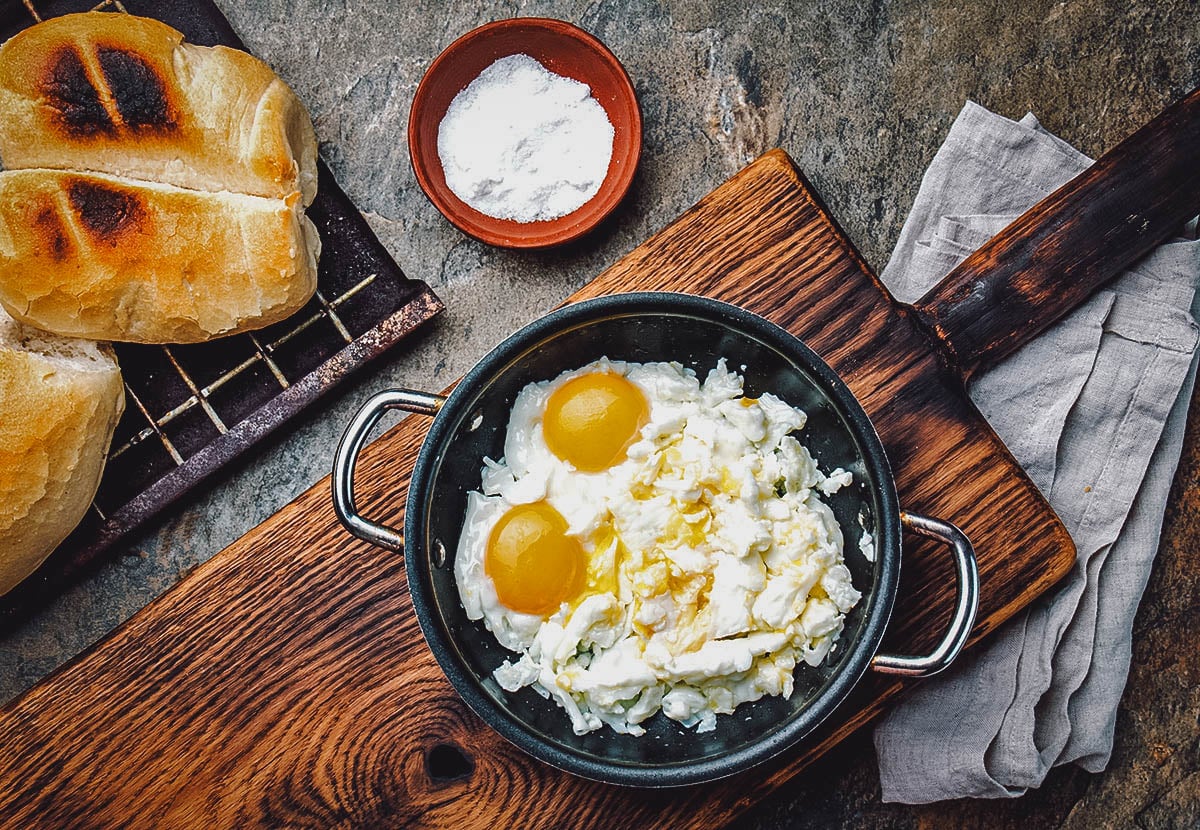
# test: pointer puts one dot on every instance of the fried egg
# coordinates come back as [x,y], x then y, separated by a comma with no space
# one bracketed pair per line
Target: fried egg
[650,542]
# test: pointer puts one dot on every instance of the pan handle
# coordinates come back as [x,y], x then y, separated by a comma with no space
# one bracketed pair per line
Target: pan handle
[964,610]
[346,458]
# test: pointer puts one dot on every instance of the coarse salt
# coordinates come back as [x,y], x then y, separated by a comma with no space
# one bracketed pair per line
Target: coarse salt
[523,143]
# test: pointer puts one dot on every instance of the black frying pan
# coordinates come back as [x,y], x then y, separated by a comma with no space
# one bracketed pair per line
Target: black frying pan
[646,327]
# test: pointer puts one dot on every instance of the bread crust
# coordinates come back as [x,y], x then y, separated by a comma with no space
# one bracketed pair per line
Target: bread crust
[124,95]
[107,258]
[57,415]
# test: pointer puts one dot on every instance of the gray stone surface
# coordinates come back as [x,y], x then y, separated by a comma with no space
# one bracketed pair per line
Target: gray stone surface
[860,94]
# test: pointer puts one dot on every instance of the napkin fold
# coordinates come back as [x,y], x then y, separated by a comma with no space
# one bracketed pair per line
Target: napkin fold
[1094,409]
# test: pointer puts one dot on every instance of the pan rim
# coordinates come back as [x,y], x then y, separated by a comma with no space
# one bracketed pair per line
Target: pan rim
[888,541]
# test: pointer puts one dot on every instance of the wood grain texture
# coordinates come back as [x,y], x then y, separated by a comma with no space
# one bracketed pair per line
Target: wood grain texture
[285,682]
[1058,252]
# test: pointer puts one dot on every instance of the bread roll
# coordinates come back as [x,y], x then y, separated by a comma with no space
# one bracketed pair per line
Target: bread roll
[124,95]
[97,256]
[60,400]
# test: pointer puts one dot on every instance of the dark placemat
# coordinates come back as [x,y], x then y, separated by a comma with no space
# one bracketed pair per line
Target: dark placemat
[192,409]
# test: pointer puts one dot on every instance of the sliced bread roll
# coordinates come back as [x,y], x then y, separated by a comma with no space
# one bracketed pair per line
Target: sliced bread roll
[107,258]
[125,95]
[60,400]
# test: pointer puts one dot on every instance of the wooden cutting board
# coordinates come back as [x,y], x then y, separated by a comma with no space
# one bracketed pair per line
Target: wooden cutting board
[285,682]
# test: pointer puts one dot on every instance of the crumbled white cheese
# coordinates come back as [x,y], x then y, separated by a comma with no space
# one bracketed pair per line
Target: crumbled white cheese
[723,567]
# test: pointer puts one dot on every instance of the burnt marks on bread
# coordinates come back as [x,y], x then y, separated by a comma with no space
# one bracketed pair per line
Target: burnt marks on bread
[69,91]
[49,229]
[104,212]
[119,92]
[138,91]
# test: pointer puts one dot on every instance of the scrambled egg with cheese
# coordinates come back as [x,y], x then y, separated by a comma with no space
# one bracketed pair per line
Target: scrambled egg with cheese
[653,542]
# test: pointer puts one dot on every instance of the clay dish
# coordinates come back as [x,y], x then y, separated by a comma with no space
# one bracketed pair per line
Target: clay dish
[563,49]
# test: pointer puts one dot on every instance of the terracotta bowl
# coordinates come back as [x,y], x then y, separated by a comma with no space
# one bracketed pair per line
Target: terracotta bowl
[563,49]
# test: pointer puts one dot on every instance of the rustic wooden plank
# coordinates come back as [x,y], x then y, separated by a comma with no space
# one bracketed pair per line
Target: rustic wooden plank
[285,682]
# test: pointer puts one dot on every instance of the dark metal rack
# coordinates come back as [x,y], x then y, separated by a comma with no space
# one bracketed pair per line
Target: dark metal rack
[192,409]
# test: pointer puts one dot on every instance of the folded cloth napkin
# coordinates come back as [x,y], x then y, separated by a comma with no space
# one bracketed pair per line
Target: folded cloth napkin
[1094,410]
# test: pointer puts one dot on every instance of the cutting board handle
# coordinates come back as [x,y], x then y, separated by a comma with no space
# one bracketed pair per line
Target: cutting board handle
[1059,251]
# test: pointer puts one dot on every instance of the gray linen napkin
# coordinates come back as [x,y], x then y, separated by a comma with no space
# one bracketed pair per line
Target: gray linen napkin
[1094,409]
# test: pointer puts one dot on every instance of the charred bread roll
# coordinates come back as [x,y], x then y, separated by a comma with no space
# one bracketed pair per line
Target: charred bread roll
[125,95]
[154,190]
[60,400]
[97,256]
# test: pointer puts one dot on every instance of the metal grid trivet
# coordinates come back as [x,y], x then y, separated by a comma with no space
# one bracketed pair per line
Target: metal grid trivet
[190,409]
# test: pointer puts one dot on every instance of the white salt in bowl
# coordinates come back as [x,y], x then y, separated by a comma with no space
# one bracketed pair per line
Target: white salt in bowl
[563,49]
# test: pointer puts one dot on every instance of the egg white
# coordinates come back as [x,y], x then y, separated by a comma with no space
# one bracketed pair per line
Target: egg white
[714,566]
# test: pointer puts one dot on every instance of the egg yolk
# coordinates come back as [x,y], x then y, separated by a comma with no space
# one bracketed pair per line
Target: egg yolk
[591,420]
[531,560]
